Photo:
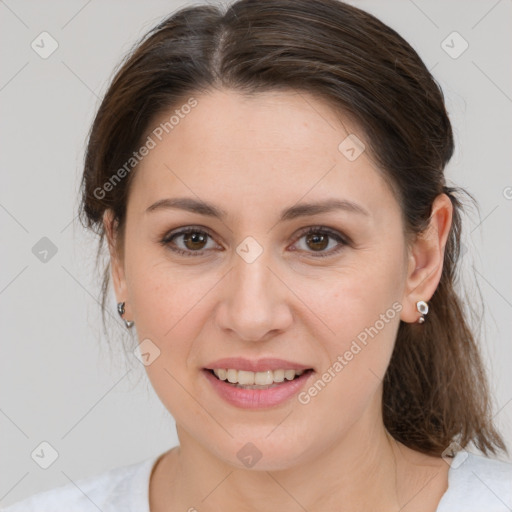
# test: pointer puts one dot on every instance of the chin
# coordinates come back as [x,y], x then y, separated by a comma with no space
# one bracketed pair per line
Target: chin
[261,453]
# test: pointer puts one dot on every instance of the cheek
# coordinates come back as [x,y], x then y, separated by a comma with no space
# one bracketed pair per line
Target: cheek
[352,299]
[165,296]
[356,355]
[360,309]
[170,311]
[169,314]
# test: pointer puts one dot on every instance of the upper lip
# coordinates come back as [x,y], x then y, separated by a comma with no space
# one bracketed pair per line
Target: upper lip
[255,365]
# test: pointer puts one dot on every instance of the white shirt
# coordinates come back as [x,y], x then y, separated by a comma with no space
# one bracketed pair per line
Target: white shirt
[475,484]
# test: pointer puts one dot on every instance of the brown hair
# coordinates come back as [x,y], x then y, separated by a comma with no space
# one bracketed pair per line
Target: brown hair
[435,389]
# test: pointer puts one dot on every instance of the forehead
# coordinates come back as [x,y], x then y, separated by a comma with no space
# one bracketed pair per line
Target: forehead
[267,148]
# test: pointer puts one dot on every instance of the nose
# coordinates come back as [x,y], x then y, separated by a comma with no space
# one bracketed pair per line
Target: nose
[255,303]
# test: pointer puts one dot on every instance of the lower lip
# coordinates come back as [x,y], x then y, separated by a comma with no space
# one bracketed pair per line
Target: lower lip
[257,398]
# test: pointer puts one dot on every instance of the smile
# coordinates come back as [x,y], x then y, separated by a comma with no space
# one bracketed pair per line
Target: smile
[256,390]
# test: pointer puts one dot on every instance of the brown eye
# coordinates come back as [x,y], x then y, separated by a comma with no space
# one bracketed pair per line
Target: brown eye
[188,242]
[316,241]
[195,240]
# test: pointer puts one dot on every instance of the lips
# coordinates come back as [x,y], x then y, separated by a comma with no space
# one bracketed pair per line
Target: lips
[260,365]
[247,397]
[274,392]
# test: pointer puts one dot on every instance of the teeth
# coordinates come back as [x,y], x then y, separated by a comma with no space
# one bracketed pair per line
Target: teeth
[289,374]
[246,378]
[278,375]
[222,374]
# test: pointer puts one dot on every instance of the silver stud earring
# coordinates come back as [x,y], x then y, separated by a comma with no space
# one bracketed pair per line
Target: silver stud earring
[120,310]
[422,308]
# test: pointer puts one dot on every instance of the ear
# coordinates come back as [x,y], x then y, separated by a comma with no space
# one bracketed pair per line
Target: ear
[116,262]
[426,259]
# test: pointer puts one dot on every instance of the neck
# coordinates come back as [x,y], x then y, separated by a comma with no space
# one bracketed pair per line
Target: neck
[359,472]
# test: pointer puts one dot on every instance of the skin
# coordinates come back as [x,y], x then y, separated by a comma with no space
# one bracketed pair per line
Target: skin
[253,157]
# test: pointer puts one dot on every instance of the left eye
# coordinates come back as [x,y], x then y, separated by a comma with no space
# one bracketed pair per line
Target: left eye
[319,239]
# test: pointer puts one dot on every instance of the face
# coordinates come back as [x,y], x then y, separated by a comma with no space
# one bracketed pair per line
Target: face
[316,289]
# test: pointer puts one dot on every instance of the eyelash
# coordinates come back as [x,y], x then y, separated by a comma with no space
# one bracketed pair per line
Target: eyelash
[166,241]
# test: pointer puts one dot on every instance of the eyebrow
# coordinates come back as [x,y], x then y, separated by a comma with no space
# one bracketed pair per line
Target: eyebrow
[291,213]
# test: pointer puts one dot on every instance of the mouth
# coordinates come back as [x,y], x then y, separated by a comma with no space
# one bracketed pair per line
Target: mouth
[245,389]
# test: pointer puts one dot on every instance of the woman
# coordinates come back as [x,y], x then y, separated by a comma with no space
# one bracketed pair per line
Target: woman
[269,181]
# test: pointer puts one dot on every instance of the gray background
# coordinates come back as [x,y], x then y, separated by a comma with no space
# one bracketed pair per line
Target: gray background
[59,383]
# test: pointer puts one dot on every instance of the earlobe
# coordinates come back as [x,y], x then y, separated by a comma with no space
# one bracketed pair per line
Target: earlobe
[426,258]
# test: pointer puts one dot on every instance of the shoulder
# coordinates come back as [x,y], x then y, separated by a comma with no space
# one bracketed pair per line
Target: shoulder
[123,488]
[479,482]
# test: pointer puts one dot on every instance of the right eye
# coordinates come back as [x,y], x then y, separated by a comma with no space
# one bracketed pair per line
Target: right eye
[193,241]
